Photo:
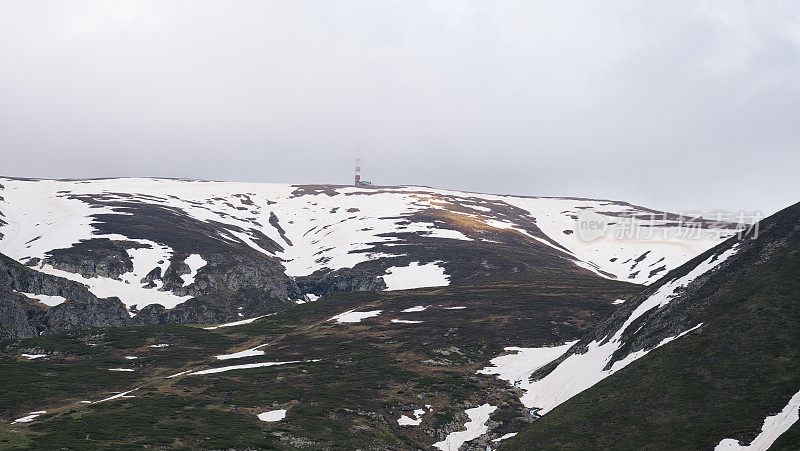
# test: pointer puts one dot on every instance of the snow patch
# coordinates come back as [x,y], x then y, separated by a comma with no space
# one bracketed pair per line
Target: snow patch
[195,262]
[418,308]
[516,367]
[772,428]
[581,371]
[405,321]
[236,323]
[30,417]
[272,415]
[578,372]
[50,301]
[669,244]
[247,366]
[352,316]
[475,427]
[405,420]
[504,437]
[447,233]
[33,356]
[415,275]
[179,374]
[128,290]
[253,352]
[117,396]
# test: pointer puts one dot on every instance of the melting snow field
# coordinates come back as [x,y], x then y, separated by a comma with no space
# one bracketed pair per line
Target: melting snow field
[418,308]
[405,420]
[504,437]
[336,229]
[415,275]
[516,368]
[51,301]
[130,293]
[405,321]
[253,352]
[272,415]
[247,366]
[773,427]
[179,374]
[126,394]
[475,427]
[310,297]
[615,251]
[30,417]
[351,316]
[195,262]
[236,323]
[33,356]
[578,372]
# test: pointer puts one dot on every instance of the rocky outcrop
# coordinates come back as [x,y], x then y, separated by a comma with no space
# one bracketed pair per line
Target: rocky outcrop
[193,311]
[23,317]
[346,279]
[151,277]
[98,257]
[14,316]
[92,312]
[228,284]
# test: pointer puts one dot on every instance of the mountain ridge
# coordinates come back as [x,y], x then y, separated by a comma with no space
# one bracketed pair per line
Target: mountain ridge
[759,276]
[267,246]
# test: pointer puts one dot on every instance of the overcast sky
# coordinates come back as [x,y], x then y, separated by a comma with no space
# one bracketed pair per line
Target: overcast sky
[669,104]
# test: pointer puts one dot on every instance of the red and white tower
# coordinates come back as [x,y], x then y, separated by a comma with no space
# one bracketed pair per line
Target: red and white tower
[358,181]
[358,165]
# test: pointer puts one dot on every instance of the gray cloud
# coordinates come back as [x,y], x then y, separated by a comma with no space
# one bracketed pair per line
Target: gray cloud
[671,104]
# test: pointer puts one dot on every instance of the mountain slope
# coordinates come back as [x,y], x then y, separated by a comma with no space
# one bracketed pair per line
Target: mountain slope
[736,362]
[349,386]
[32,302]
[225,250]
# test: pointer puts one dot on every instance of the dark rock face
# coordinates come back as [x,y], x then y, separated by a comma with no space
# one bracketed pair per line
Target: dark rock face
[99,257]
[94,312]
[151,314]
[194,311]
[21,317]
[234,275]
[346,279]
[172,276]
[151,277]
[228,284]
[14,316]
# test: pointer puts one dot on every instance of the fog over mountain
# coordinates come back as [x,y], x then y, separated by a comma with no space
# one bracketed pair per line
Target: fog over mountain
[402,224]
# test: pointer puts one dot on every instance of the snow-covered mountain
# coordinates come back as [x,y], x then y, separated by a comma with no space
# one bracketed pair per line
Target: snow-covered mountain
[166,241]
[728,324]
[539,336]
